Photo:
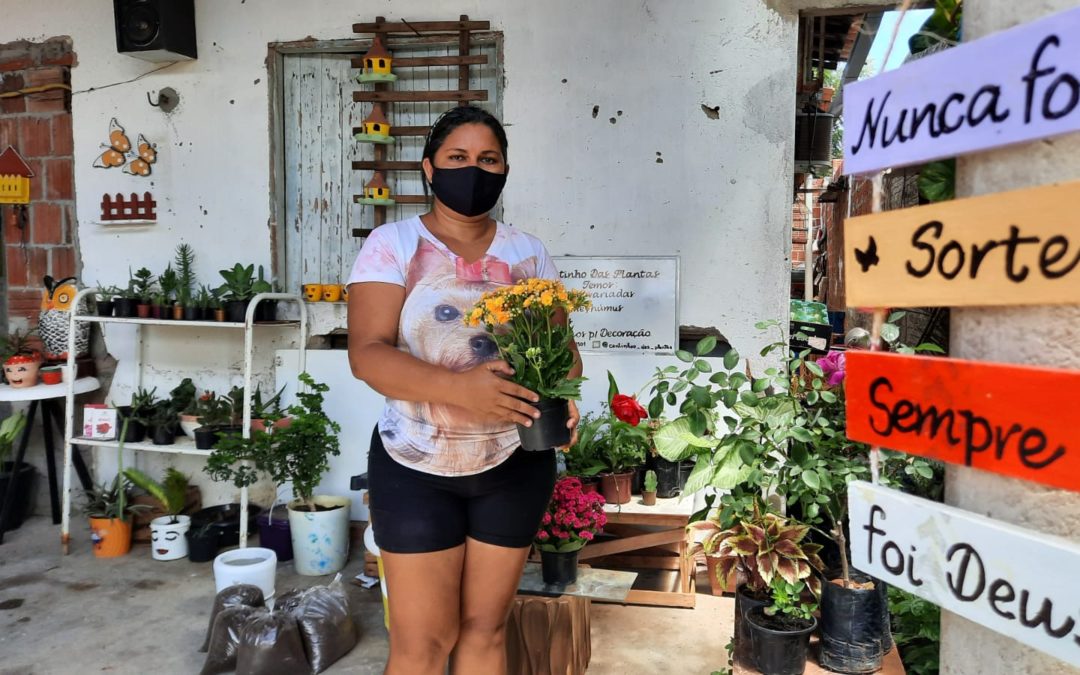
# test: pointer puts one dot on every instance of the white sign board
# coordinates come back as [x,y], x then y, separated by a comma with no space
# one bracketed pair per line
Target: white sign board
[635,303]
[1017,85]
[1019,583]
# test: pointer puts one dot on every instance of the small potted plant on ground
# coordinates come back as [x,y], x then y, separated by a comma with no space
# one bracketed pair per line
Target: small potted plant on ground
[167,532]
[648,490]
[298,454]
[142,284]
[781,631]
[572,519]
[529,325]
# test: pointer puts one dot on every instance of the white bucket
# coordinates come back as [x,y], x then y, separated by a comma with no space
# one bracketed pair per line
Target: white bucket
[167,540]
[320,539]
[255,566]
[373,549]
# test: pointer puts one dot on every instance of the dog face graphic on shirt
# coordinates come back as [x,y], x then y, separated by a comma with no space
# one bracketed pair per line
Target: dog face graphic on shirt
[432,327]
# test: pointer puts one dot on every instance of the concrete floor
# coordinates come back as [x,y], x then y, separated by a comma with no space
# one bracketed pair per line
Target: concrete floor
[79,614]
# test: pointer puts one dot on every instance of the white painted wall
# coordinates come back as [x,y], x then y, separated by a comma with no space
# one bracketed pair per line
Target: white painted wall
[720,199]
[1045,336]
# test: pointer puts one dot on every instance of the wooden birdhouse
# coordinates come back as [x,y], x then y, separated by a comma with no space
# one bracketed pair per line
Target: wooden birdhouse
[376,128]
[377,63]
[15,178]
[377,192]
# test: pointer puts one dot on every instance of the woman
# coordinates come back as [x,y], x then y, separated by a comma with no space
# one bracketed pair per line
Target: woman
[455,502]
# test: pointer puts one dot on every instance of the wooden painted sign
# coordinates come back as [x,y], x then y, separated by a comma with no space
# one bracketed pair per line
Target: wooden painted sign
[1019,583]
[1012,248]
[1013,420]
[1017,85]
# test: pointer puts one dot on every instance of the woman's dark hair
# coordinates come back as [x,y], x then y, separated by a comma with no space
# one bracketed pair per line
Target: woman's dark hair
[454,118]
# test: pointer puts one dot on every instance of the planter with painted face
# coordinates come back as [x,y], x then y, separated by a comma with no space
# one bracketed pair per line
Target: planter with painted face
[167,540]
[320,538]
[21,370]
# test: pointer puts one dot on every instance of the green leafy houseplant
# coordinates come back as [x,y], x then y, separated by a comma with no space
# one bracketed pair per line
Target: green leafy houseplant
[239,282]
[171,492]
[142,283]
[788,601]
[917,631]
[299,453]
[529,325]
[10,429]
[583,457]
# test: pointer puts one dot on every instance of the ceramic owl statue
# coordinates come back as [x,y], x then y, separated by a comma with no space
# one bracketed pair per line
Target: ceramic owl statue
[54,322]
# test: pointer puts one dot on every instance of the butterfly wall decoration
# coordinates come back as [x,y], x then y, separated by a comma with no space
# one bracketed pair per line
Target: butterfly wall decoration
[119,153]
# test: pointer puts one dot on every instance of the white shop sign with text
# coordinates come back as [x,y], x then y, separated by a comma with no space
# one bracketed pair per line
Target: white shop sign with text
[635,303]
[1017,582]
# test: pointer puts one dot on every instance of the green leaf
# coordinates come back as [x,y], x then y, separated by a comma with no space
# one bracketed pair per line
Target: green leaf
[700,475]
[731,359]
[748,398]
[924,470]
[730,471]
[719,378]
[937,181]
[684,356]
[703,366]
[656,406]
[801,434]
[812,397]
[828,397]
[612,388]
[760,385]
[815,369]
[706,345]
[890,333]
[896,316]
[930,347]
[675,442]
[811,479]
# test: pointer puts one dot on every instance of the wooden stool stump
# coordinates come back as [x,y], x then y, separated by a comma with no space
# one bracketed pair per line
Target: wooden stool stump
[548,636]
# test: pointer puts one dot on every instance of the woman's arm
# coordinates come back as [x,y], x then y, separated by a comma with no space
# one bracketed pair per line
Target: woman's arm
[374,313]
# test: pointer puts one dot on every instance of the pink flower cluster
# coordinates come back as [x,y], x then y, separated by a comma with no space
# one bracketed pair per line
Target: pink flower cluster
[572,517]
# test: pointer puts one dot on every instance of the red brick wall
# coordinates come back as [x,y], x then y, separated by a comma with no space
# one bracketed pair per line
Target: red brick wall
[39,239]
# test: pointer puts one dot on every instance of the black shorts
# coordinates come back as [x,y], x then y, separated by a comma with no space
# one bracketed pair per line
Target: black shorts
[417,512]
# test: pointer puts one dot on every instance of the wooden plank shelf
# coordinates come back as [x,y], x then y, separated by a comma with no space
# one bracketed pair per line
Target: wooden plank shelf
[415,27]
[368,165]
[418,61]
[400,131]
[405,199]
[419,96]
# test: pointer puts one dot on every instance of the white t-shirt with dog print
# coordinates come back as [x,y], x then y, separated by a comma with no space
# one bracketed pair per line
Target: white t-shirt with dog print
[440,288]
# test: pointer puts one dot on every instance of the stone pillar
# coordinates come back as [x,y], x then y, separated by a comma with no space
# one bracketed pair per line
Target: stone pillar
[1045,336]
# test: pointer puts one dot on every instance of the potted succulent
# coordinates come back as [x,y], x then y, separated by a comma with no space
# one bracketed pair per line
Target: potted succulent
[109,513]
[270,409]
[183,400]
[267,309]
[202,302]
[167,532]
[137,414]
[298,454]
[21,360]
[214,413]
[18,478]
[127,299]
[104,299]
[142,283]
[781,630]
[163,423]
[214,308]
[760,546]
[572,519]
[239,288]
[528,323]
[169,281]
[185,291]
[648,490]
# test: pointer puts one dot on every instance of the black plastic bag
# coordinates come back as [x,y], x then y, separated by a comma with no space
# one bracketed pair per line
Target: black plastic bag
[854,625]
[225,639]
[326,624]
[270,644]
[239,595]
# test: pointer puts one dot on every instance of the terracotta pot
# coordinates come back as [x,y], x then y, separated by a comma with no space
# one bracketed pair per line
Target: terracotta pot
[178,312]
[219,314]
[616,487]
[589,484]
[51,375]
[260,425]
[648,498]
[142,311]
[22,371]
[111,537]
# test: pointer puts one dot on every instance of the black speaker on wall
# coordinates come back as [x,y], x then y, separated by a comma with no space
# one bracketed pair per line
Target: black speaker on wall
[156,30]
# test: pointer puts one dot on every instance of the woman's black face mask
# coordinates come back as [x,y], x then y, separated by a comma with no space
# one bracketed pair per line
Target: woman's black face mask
[470,190]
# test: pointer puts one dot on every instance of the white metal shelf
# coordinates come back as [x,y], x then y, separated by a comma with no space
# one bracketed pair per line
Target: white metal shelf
[182,446]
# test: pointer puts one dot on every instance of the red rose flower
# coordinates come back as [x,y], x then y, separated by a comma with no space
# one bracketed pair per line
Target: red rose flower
[627,409]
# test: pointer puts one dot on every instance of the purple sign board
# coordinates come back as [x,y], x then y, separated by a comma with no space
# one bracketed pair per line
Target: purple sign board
[1013,86]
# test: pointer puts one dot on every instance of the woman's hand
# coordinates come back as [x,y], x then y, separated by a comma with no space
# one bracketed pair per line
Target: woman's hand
[572,424]
[486,392]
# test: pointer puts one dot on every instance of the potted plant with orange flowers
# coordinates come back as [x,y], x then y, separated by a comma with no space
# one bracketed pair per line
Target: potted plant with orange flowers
[572,519]
[529,323]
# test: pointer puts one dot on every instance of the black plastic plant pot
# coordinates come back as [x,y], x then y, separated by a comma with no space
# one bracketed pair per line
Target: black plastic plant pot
[853,626]
[236,310]
[744,602]
[125,307]
[559,567]
[104,307]
[193,314]
[225,518]
[136,430]
[203,546]
[549,430]
[778,651]
[20,503]
[206,437]
[266,311]
[164,434]
[667,478]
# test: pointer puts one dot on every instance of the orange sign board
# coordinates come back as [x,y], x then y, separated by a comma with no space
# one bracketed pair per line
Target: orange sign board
[1018,421]
[1012,248]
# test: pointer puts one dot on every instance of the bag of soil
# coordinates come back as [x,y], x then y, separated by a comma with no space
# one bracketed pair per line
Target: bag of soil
[288,601]
[225,639]
[240,595]
[270,644]
[326,624]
